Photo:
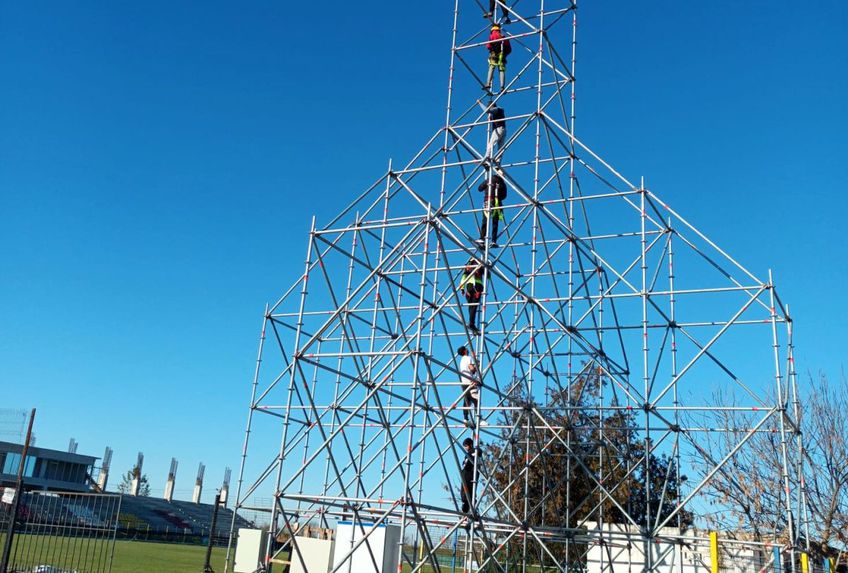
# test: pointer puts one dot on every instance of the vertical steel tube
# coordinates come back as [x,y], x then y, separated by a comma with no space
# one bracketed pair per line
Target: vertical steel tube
[407,491]
[286,420]
[16,502]
[781,402]
[802,509]
[247,433]
[646,366]
[377,303]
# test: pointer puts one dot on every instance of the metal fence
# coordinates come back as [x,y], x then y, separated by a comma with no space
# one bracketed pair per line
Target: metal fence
[63,532]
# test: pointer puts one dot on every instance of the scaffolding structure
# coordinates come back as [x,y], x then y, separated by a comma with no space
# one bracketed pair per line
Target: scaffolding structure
[612,336]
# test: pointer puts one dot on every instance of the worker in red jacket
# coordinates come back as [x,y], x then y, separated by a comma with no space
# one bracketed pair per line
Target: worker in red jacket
[499,48]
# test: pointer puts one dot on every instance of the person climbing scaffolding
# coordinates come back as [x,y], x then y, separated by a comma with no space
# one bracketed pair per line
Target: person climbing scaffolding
[494,189]
[504,11]
[497,117]
[470,385]
[468,477]
[499,48]
[471,285]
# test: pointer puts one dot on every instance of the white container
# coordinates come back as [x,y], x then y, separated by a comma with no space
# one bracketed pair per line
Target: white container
[315,554]
[250,550]
[382,540]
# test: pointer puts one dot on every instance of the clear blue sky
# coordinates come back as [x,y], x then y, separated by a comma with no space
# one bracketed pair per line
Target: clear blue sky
[160,163]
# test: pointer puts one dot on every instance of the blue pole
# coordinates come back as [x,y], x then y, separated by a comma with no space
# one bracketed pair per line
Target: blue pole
[453,562]
[776,551]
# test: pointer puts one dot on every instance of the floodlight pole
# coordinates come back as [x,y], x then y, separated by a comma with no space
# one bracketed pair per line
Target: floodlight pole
[16,502]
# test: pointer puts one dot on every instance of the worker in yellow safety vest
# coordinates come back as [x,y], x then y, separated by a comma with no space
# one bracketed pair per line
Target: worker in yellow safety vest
[471,286]
[495,192]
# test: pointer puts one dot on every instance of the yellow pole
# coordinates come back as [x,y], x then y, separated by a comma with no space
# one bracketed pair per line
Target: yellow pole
[805,565]
[713,552]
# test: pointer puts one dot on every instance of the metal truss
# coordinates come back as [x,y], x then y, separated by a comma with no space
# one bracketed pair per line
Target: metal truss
[356,408]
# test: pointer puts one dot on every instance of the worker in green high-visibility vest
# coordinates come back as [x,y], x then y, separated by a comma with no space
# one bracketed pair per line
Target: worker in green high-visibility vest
[471,286]
[499,48]
[495,192]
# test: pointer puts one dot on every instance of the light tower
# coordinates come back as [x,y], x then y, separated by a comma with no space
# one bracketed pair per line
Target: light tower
[225,487]
[198,483]
[613,335]
[135,484]
[103,476]
[172,478]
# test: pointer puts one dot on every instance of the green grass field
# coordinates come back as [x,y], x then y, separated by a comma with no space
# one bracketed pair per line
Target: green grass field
[143,557]
[130,556]
[134,556]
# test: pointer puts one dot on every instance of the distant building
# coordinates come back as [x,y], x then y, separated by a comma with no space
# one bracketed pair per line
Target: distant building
[46,469]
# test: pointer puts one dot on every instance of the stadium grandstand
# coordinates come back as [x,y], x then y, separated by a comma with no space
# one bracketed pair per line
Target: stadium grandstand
[139,517]
[160,519]
[46,469]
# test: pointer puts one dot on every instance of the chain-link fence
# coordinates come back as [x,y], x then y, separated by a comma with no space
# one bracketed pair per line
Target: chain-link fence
[441,544]
[62,532]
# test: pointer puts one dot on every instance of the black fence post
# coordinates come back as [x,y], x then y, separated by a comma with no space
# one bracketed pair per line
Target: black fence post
[16,502]
[207,568]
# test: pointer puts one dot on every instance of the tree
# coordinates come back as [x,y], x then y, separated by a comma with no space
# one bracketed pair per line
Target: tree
[584,462]
[749,491]
[825,431]
[127,480]
[746,494]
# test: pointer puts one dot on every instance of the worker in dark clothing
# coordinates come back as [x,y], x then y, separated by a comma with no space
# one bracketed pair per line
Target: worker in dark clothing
[469,477]
[495,192]
[471,286]
[499,48]
[497,117]
[491,12]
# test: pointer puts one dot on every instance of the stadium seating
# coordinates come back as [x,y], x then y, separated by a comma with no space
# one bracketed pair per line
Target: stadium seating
[136,513]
